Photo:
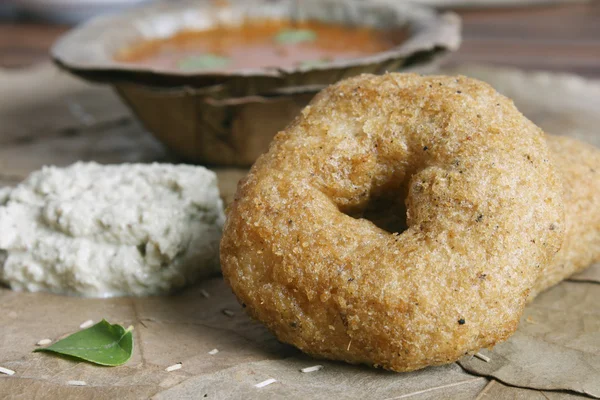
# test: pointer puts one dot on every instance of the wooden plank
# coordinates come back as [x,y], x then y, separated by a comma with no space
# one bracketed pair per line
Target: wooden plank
[26,44]
[580,57]
[555,37]
[575,22]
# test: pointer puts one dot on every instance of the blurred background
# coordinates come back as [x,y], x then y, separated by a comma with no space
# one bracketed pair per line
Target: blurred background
[530,34]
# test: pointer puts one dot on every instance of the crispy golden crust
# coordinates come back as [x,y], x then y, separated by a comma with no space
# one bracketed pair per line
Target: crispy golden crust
[484,218]
[578,165]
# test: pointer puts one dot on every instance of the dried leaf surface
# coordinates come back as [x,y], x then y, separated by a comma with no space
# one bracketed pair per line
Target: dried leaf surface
[592,274]
[557,345]
[185,328]
[496,390]
[556,348]
[334,381]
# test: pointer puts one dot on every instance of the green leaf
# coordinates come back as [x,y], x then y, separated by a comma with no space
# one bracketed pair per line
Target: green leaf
[314,63]
[295,36]
[203,61]
[102,344]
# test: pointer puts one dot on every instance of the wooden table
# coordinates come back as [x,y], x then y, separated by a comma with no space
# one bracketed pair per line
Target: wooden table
[552,37]
[559,38]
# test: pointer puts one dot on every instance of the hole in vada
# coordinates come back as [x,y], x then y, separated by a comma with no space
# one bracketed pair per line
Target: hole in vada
[385,211]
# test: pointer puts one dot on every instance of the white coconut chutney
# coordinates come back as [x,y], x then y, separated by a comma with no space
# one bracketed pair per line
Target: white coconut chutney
[99,231]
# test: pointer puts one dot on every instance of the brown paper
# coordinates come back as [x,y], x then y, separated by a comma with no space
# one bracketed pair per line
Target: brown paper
[185,327]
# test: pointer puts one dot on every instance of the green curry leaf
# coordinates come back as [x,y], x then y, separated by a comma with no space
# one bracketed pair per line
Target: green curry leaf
[314,63]
[294,36]
[102,344]
[203,61]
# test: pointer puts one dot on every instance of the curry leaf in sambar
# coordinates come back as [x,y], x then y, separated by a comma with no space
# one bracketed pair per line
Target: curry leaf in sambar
[314,63]
[102,344]
[203,61]
[294,36]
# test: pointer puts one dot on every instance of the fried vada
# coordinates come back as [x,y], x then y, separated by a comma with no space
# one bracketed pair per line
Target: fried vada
[483,219]
[578,165]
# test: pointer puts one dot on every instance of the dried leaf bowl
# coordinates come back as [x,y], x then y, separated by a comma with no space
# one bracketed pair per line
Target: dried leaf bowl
[228,118]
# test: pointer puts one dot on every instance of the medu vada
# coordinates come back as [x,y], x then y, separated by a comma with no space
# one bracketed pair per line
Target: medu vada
[578,165]
[477,215]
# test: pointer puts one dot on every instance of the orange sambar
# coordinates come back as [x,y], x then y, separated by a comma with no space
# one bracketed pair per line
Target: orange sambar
[260,44]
